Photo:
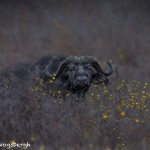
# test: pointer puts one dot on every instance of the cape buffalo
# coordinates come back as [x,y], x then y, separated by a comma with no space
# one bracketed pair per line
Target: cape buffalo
[75,74]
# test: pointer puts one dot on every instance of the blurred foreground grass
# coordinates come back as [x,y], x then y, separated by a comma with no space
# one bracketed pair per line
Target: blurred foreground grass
[117,116]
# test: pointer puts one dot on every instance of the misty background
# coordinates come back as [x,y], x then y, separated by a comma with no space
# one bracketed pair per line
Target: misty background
[110,30]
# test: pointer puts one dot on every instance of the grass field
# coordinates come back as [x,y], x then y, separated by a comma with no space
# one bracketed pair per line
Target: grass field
[111,118]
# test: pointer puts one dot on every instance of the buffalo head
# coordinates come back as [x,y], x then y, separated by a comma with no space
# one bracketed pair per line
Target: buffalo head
[77,73]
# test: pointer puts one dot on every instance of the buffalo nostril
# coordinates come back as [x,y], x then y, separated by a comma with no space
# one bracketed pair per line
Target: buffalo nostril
[85,79]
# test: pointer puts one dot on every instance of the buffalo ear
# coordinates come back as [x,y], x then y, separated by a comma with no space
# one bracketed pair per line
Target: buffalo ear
[100,78]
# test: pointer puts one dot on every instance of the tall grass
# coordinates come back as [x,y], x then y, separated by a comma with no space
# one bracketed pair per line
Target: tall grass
[110,117]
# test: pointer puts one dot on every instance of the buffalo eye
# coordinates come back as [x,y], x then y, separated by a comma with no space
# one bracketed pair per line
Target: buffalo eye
[88,67]
[72,67]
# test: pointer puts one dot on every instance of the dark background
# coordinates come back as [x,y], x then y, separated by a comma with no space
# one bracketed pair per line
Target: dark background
[111,30]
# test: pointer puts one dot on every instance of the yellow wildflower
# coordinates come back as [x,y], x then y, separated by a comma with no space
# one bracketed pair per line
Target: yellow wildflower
[122,114]
[137,120]
[41,147]
[51,81]
[95,85]
[105,116]
[92,94]
[105,91]
[12,142]
[67,94]
[143,92]
[59,92]
[53,78]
